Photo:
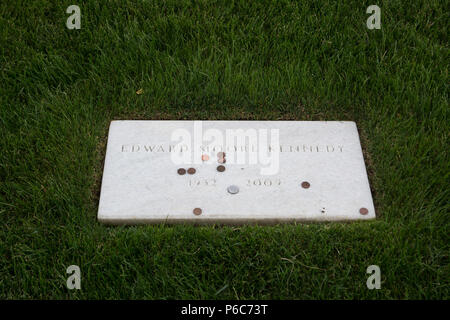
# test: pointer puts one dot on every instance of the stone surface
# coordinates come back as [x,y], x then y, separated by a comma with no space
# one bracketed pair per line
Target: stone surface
[320,174]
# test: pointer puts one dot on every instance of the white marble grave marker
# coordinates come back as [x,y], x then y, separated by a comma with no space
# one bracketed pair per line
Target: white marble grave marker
[234,172]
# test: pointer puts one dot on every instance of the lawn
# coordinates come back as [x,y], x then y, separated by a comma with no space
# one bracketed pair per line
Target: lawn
[229,60]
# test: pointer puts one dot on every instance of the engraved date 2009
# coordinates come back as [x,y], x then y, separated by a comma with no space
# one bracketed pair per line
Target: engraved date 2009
[263,182]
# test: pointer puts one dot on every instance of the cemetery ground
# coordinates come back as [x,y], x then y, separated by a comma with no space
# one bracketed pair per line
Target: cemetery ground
[221,60]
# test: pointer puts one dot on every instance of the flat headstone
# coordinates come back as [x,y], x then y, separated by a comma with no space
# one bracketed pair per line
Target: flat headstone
[234,172]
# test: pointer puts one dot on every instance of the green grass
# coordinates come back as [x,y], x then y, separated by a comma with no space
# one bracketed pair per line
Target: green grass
[261,60]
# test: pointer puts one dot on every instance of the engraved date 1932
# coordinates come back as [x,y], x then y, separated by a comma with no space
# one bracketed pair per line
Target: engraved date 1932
[202,182]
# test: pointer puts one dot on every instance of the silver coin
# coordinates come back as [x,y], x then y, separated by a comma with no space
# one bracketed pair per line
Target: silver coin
[233,189]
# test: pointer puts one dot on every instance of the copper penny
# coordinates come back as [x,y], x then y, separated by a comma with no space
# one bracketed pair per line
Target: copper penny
[197,211]
[181,171]
[191,171]
[305,184]
[205,157]
[363,211]
[221,168]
